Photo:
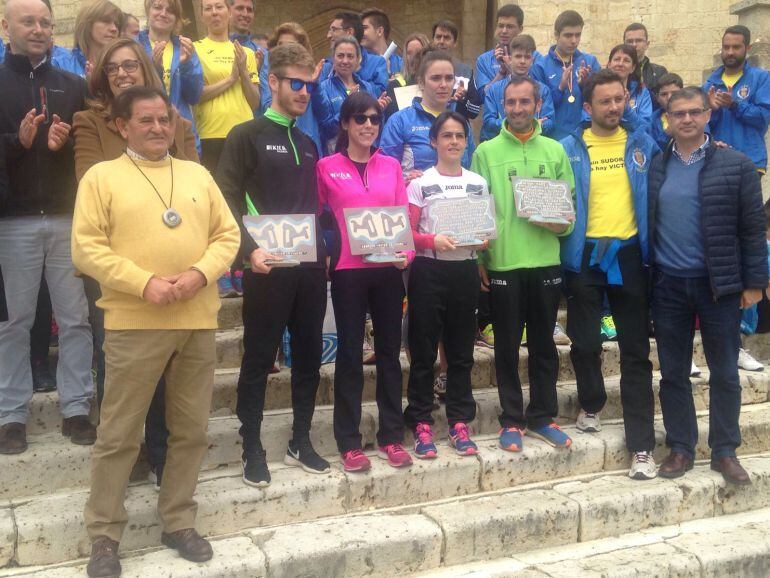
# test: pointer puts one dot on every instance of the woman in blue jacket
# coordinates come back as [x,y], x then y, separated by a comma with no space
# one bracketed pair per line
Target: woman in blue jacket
[173,55]
[96,25]
[623,61]
[332,92]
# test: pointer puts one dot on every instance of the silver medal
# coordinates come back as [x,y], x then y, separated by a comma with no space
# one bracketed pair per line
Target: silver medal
[171,218]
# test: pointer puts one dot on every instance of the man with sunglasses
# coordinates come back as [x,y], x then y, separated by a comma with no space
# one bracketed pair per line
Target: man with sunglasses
[268,168]
[709,257]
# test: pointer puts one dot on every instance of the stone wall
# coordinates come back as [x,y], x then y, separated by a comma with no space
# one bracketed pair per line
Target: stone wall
[685,34]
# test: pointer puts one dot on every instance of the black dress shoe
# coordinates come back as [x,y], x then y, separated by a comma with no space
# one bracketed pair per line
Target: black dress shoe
[79,429]
[13,438]
[675,465]
[731,469]
[42,380]
[190,545]
[104,562]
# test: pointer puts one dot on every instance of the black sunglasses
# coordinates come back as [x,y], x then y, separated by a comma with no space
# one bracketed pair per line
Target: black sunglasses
[375,119]
[296,84]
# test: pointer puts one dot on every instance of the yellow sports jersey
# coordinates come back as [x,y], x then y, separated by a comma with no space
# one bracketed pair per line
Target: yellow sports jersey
[168,55]
[215,117]
[610,201]
[431,111]
[731,79]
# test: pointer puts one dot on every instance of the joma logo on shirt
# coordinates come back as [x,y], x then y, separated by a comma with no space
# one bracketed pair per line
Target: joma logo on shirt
[420,128]
[341,176]
[455,187]
[277,148]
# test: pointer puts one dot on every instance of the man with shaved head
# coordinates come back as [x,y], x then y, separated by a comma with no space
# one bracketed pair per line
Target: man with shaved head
[37,103]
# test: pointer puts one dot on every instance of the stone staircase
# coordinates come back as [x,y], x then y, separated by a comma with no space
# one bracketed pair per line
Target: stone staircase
[542,512]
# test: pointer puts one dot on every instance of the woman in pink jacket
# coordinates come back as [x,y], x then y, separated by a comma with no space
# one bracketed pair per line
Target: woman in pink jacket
[359,176]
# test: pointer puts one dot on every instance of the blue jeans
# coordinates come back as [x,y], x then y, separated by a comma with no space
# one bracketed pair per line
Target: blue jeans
[675,303]
[30,247]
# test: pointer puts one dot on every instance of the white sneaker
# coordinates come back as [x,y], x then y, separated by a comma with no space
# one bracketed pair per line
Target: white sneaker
[642,466]
[694,369]
[560,336]
[588,422]
[745,361]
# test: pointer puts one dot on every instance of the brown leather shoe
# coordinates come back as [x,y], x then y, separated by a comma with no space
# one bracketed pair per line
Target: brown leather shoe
[675,465]
[104,562]
[79,429]
[731,469]
[189,544]
[13,438]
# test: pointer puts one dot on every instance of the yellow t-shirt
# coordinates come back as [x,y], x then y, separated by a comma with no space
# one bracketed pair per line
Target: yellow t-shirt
[168,55]
[731,79]
[215,117]
[610,201]
[430,111]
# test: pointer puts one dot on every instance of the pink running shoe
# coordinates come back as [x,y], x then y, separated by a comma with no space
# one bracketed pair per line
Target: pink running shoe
[355,461]
[460,440]
[396,455]
[424,448]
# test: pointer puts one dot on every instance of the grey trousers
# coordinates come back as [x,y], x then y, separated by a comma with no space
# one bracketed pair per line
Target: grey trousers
[30,246]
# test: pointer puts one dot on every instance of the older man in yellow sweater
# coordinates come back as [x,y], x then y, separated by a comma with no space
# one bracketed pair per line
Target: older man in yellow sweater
[156,233]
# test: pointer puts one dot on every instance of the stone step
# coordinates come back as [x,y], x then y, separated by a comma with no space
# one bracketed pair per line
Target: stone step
[692,522]
[49,529]
[53,462]
[728,545]
[44,413]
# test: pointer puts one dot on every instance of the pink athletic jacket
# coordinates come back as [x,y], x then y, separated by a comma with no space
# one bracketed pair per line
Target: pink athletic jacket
[340,187]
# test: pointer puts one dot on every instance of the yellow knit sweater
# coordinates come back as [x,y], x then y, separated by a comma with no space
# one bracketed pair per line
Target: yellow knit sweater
[119,239]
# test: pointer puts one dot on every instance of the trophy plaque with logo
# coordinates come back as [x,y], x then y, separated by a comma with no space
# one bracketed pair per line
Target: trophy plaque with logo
[543,200]
[291,237]
[468,220]
[380,234]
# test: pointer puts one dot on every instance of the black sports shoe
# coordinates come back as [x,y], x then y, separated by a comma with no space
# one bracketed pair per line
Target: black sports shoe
[255,472]
[42,380]
[301,453]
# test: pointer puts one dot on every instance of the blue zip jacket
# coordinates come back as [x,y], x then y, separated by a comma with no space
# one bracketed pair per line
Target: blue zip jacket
[265,95]
[327,101]
[547,69]
[186,78]
[373,70]
[744,124]
[640,149]
[405,138]
[487,67]
[657,133]
[494,109]
[73,61]
[396,64]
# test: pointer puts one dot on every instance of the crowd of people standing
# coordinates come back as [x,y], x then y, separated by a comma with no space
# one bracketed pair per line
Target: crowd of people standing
[130,160]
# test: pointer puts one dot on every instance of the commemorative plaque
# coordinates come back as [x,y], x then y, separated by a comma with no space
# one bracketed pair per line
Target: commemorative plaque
[291,237]
[379,233]
[543,200]
[469,220]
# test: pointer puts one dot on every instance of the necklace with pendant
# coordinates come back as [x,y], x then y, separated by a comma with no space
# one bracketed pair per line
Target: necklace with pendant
[171,217]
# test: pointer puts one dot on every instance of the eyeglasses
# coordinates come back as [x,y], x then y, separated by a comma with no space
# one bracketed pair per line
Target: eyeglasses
[129,66]
[296,84]
[682,114]
[361,119]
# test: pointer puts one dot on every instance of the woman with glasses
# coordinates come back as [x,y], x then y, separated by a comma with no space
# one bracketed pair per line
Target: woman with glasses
[96,25]
[231,83]
[123,64]
[332,92]
[173,55]
[358,175]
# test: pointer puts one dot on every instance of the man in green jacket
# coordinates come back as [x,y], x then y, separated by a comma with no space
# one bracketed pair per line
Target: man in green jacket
[521,269]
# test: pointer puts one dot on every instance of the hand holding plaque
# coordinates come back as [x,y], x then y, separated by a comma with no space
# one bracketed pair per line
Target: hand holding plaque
[543,201]
[290,238]
[468,221]
[380,234]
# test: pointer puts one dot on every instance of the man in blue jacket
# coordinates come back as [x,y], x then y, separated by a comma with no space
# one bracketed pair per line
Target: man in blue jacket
[374,69]
[709,258]
[376,38]
[241,17]
[489,65]
[606,254]
[565,69]
[739,97]
[660,129]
